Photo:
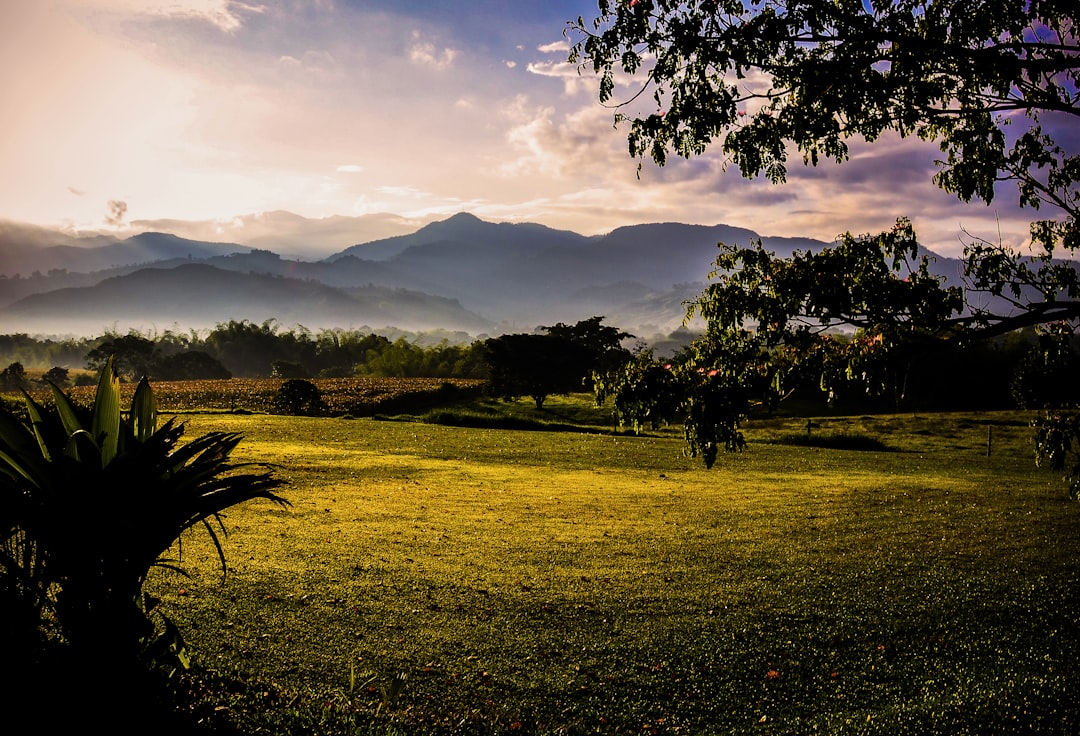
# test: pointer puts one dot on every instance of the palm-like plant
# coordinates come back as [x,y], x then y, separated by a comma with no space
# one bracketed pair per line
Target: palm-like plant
[90,501]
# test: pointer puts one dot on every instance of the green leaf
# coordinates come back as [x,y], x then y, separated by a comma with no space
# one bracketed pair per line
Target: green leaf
[105,425]
[143,411]
[15,468]
[85,440]
[68,415]
[37,421]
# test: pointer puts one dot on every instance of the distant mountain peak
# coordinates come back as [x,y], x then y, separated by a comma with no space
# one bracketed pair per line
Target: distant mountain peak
[463,217]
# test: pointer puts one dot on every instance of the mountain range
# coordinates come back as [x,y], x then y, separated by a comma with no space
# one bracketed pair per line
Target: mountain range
[460,274]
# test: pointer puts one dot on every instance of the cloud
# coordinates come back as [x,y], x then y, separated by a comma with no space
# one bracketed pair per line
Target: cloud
[580,142]
[226,15]
[558,47]
[425,53]
[264,106]
[573,82]
[117,211]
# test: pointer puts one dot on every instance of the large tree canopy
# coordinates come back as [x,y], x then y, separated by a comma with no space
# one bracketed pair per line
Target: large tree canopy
[995,83]
[987,79]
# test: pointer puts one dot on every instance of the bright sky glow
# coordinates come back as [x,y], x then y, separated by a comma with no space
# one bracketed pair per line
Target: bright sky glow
[211,110]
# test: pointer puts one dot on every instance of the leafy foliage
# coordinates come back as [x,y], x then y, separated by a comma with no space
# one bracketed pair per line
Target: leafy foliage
[1057,446]
[13,377]
[91,500]
[602,342]
[57,375]
[535,366]
[754,78]
[763,80]
[644,391]
[559,361]
[131,355]
[1045,378]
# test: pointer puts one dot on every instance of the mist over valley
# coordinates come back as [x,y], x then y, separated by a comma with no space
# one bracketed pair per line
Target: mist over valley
[461,274]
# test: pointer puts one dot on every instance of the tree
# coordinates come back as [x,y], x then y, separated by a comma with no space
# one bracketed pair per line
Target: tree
[989,81]
[644,391]
[190,365]
[247,349]
[13,377]
[132,355]
[757,77]
[603,342]
[534,365]
[57,375]
[1046,378]
[561,360]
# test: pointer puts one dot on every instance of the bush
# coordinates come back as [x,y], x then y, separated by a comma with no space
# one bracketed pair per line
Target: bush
[89,501]
[299,398]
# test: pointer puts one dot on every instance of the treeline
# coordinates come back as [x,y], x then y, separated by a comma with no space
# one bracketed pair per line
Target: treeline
[1000,374]
[244,349]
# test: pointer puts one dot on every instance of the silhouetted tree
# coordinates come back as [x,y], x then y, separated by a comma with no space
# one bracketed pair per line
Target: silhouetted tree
[247,349]
[132,354]
[602,342]
[57,376]
[13,377]
[535,366]
[190,365]
[288,369]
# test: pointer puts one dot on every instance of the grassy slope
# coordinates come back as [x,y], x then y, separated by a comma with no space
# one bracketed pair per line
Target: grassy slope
[544,581]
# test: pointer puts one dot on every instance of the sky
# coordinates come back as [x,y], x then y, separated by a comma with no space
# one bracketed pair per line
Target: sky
[127,115]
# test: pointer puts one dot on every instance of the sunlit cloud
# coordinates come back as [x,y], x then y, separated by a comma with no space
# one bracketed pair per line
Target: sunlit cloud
[209,110]
[226,15]
[557,47]
[428,54]
[406,192]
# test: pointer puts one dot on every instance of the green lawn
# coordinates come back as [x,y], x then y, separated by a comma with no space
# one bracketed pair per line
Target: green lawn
[573,582]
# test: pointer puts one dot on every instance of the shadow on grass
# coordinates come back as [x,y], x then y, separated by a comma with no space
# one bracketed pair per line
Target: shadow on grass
[480,420]
[834,441]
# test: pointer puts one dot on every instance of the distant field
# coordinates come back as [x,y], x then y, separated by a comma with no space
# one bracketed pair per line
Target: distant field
[580,582]
[361,396]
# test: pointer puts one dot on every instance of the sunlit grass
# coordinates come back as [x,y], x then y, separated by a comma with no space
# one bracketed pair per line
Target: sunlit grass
[578,582]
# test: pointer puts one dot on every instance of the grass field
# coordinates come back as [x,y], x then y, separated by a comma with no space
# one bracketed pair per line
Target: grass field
[582,582]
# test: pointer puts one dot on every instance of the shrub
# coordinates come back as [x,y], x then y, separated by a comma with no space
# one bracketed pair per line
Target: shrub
[89,502]
[298,397]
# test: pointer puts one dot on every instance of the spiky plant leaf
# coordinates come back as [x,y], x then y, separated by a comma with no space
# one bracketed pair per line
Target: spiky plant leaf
[39,425]
[143,411]
[81,445]
[105,425]
[22,455]
[69,416]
